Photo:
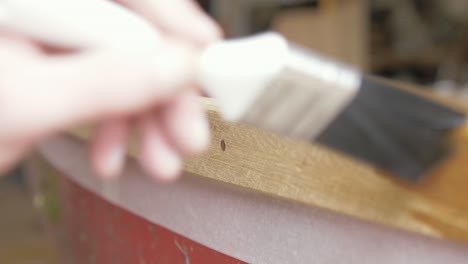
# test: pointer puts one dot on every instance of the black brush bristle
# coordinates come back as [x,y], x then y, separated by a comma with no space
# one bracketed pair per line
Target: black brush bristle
[395,130]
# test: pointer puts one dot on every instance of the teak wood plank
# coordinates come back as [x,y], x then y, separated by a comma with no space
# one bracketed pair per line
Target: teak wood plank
[316,176]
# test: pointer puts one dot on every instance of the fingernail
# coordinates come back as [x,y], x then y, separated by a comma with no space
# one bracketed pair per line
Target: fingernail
[113,162]
[171,166]
[168,164]
[199,134]
[193,130]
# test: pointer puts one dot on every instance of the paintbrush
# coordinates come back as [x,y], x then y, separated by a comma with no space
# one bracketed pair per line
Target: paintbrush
[267,82]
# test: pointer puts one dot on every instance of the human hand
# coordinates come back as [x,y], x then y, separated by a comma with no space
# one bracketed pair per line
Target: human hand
[45,90]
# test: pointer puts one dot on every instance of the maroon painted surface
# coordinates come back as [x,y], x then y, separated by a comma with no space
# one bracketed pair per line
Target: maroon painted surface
[248,225]
[100,232]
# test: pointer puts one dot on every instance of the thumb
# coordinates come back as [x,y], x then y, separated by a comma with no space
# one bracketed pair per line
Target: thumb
[51,93]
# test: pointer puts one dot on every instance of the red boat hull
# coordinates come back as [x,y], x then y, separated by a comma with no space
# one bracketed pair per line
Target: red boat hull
[99,232]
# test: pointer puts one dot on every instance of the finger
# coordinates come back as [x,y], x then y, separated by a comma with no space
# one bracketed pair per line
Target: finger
[55,92]
[180,18]
[186,123]
[108,147]
[157,156]
[78,24]
[13,48]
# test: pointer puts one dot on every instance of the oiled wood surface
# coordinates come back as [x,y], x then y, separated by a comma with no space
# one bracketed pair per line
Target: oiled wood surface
[316,176]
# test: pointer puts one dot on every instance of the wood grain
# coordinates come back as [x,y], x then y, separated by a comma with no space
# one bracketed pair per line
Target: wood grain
[316,176]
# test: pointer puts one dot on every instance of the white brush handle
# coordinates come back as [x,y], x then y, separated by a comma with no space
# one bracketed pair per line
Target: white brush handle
[234,72]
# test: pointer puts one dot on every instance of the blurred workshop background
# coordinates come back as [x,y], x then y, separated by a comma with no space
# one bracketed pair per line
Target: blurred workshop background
[423,42]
